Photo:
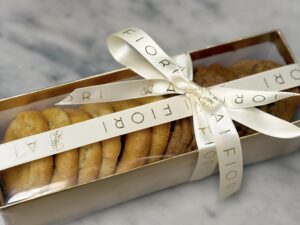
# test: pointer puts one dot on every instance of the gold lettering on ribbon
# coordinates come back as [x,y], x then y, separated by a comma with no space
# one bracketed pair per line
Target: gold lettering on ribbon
[279,79]
[203,129]
[168,109]
[171,88]
[295,74]
[86,95]
[119,123]
[56,140]
[239,99]
[147,90]
[258,98]
[218,117]
[31,145]
[137,117]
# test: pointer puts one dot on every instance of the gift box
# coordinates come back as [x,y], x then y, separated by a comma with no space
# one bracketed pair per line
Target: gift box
[80,199]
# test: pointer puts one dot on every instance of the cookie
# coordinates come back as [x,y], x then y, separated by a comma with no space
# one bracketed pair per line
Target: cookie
[251,66]
[66,163]
[181,137]
[89,155]
[187,137]
[137,144]
[192,146]
[212,75]
[35,174]
[111,148]
[160,134]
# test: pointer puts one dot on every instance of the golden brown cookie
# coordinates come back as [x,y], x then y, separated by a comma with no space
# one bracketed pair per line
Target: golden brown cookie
[192,146]
[212,75]
[89,155]
[137,144]
[111,148]
[252,66]
[31,175]
[160,134]
[66,163]
[187,136]
[181,137]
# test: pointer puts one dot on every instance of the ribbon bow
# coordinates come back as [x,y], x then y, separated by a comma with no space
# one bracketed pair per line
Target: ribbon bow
[214,108]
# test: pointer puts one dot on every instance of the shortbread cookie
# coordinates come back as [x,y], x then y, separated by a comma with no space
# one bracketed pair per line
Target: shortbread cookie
[35,174]
[160,134]
[173,147]
[89,155]
[212,75]
[181,137]
[193,145]
[252,66]
[137,144]
[187,137]
[111,148]
[66,163]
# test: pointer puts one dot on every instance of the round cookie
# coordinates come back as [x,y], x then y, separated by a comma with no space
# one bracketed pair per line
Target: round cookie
[187,137]
[160,134]
[173,147]
[66,163]
[32,175]
[89,155]
[212,75]
[137,144]
[181,137]
[111,148]
[192,146]
[252,66]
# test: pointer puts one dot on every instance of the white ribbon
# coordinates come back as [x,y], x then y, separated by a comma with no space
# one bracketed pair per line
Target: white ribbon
[214,108]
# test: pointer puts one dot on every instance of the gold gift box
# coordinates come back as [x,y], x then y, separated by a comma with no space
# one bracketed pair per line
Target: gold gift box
[80,200]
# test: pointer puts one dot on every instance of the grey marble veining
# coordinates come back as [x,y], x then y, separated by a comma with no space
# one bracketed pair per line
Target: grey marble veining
[43,43]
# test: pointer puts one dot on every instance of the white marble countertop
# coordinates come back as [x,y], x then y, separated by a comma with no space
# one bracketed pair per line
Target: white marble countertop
[43,43]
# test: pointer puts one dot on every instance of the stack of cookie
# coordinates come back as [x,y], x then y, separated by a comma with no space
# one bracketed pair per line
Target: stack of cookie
[117,154]
[97,160]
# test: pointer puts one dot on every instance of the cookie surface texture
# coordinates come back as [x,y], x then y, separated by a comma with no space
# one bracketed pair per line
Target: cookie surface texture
[35,174]
[66,163]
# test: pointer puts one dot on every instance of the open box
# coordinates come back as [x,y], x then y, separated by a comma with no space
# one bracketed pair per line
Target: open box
[99,194]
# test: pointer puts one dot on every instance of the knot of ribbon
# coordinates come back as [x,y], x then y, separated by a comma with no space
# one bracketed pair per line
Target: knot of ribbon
[213,108]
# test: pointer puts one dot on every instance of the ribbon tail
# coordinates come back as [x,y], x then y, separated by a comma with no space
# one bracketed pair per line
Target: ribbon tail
[207,160]
[264,123]
[229,151]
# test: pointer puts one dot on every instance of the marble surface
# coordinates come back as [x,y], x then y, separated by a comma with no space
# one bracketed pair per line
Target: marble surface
[43,43]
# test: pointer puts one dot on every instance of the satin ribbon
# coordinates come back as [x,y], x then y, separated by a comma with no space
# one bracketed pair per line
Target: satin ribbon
[214,108]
